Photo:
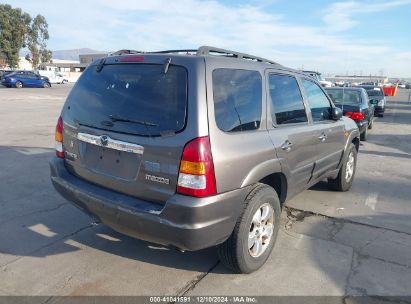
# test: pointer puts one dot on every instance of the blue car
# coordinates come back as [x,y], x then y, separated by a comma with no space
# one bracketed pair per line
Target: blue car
[19,79]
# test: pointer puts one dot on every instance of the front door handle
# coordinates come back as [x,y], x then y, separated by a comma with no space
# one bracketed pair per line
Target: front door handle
[287,145]
[323,137]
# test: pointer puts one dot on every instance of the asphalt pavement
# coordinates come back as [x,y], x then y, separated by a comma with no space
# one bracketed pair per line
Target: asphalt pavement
[330,243]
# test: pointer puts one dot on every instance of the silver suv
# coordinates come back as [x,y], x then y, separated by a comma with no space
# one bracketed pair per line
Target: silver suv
[198,148]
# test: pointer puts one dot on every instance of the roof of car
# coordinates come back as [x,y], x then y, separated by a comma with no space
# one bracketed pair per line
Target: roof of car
[345,88]
[203,51]
[209,52]
[313,72]
[369,87]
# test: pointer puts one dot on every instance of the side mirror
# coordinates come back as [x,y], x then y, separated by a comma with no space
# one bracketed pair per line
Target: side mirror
[336,113]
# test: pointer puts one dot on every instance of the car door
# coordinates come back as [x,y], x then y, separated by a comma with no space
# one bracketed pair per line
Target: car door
[329,133]
[29,80]
[366,106]
[290,129]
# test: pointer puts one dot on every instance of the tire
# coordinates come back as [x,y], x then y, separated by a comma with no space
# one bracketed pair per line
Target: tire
[364,135]
[345,179]
[371,124]
[19,84]
[46,85]
[235,252]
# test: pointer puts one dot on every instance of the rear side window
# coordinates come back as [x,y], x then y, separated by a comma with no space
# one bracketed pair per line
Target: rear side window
[286,100]
[319,104]
[237,99]
[131,98]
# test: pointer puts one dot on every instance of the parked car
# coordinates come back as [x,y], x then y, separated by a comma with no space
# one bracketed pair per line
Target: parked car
[320,79]
[377,98]
[355,104]
[3,73]
[21,79]
[187,151]
[369,83]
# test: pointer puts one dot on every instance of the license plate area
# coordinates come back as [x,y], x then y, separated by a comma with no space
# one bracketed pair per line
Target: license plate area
[110,157]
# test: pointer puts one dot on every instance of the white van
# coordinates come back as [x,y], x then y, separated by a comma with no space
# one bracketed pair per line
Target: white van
[53,74]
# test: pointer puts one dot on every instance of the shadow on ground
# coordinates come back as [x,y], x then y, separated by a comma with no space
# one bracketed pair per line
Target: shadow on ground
[37,221]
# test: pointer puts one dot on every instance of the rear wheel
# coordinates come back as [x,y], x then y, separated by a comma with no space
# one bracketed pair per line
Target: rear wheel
[364,135]
[255,232]
[345,176]
[19,84]
[371,124]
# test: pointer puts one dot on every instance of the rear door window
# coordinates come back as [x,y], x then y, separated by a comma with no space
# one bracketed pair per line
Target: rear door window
[131,98]
[319,104]
[237,99]
[287,105]
[345,96]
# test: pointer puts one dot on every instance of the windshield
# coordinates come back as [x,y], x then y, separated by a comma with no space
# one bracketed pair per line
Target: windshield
[131,98]
[344,96]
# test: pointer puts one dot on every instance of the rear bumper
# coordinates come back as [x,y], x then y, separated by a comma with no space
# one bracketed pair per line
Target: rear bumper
[184,222]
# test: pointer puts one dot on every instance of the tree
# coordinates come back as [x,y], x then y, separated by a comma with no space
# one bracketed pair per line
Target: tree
[19,30]
[3,63]
[46,56]
[37,38]
[14,24]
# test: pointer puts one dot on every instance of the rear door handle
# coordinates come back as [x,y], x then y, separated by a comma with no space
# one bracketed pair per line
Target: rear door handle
[323,137]
[287,145]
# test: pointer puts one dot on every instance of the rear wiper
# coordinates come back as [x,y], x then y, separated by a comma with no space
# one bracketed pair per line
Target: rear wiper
[115,118]
[100,65]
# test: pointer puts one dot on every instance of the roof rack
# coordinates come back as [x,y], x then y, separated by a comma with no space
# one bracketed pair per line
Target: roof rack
[210,50]
[185,52]
[202,50]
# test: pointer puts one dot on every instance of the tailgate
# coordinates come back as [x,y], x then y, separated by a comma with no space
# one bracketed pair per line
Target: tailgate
[123,125]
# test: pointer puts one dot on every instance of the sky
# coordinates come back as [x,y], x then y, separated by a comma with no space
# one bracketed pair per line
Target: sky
[333,37]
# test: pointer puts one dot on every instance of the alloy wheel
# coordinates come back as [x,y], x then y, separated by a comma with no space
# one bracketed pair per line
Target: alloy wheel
[349,170]
[261,230]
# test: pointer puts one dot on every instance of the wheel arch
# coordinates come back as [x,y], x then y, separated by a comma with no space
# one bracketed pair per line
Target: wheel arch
[278,181]
[270,173]
[356,142]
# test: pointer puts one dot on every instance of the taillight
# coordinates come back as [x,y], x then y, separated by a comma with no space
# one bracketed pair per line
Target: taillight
[59,138]
[356,116]
[196,176]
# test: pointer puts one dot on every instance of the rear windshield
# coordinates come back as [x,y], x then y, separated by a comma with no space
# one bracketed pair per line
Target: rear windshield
[345,96]
[131,98]
[375,92]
